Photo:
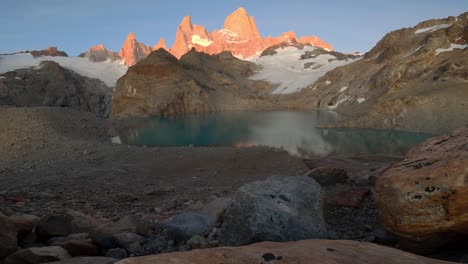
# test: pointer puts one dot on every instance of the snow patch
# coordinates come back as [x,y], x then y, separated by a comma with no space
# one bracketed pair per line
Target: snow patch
[361,100]
[452,47]
[196,39]
[328,82]
[108,72]
[338,103]
[17,78]
[2,77]
[416,50]
[343,89]
[432,29]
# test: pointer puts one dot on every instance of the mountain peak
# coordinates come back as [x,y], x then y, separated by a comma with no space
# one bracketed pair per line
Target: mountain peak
[186,24]
[160,44]
[130,36]
[240,23]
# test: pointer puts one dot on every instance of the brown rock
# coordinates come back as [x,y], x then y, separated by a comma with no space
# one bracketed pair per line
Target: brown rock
[424,198]
[88,260]
[349,197]
[78,247]
[8,240]
[306,251]
[50,51]
[24,224]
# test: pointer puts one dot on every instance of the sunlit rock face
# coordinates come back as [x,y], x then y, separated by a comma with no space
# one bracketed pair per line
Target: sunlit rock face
[161,45]
[133,51]
[239,35]
[99,53]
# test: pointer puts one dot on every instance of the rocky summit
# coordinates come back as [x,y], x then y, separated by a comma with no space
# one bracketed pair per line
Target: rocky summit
[161,85]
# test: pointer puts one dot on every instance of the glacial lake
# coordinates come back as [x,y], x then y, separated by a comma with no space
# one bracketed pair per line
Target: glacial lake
[295,132]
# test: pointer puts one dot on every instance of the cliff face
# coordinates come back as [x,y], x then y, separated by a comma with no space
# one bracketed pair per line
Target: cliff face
[133,51]
[99,53]
[413,79]
[198,82]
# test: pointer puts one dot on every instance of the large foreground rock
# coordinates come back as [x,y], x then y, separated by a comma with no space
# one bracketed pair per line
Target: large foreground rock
[278,209]
[425,197]
[87,260]
[65,223]
[8,240]
[307,251]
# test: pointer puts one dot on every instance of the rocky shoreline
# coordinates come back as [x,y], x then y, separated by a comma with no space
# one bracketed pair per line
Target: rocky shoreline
[67,191]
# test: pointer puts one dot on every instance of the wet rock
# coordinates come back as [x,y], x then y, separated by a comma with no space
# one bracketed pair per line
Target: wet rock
[278,209]
[24,224]
[197,242]
[305,251]
[8,237]
[37,255]
[186,225]
[423,199]
[116,253]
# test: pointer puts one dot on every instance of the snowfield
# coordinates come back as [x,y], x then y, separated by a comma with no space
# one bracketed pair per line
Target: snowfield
[432,29]
[452,47]
[287,70]
[108,72]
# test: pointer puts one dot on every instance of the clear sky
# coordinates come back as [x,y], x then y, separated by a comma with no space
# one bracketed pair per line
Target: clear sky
[74,26]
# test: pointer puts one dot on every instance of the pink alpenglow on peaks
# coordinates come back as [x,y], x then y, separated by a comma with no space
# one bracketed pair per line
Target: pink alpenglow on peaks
[133,51]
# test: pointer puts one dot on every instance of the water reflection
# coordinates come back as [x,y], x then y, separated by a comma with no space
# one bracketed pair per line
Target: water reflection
[295,132]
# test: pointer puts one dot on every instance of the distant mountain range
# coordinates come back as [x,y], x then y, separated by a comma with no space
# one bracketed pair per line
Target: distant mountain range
[239,35]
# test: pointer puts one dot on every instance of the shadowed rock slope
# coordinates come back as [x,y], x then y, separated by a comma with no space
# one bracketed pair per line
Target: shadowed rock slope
[414,79]
[49,84]
[161,85]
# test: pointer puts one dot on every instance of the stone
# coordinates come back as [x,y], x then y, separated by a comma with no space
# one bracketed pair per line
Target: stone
[105,241]
[129,241]
[8,237]
[423,199]
[78,247]
[24,224]
[328,176]
[116,253]
[197,242]
[186,225]
[65,223]
[127,224]
[99,53]
[217,208]
[305,251]
[351,197]
[88,260]
[133,51]
[37,255]
[278,209]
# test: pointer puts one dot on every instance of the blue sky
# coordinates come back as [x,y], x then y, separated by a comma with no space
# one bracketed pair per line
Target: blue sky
[74,26]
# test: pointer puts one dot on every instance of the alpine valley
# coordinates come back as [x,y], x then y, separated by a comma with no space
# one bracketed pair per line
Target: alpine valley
[286,150]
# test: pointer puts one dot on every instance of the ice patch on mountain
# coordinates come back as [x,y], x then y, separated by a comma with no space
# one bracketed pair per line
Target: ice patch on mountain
[432,29]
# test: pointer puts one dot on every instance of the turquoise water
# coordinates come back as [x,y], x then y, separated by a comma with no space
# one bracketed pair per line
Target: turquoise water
[295,132]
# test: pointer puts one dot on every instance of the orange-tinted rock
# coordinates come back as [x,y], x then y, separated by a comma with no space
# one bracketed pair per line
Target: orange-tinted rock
[240,23]
[133,51]
[161,45]
[306,251]
[99,53]
[425,197]
[315,41]
[50,51]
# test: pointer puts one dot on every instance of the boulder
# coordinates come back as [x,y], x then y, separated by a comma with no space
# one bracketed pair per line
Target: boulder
[88,260]
[186,225]
[127,224]
[349,196]
[278,209]
[8,237]
[306,251]
[37,255]
[327,176]
[65,223]
[24,224]
[217,208]
[131,242]
[424,198]
[116,253]
[78,247]
[197,242]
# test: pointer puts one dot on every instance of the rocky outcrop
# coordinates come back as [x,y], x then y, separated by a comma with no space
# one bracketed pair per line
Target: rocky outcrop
[50,51]
[278,209]
[133,51]
[411,74]
[8,240]
[240,36]
[99,53]
[160,45]
[306,251]
[37,255]
[424,198]
[52,85]
[162,85]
